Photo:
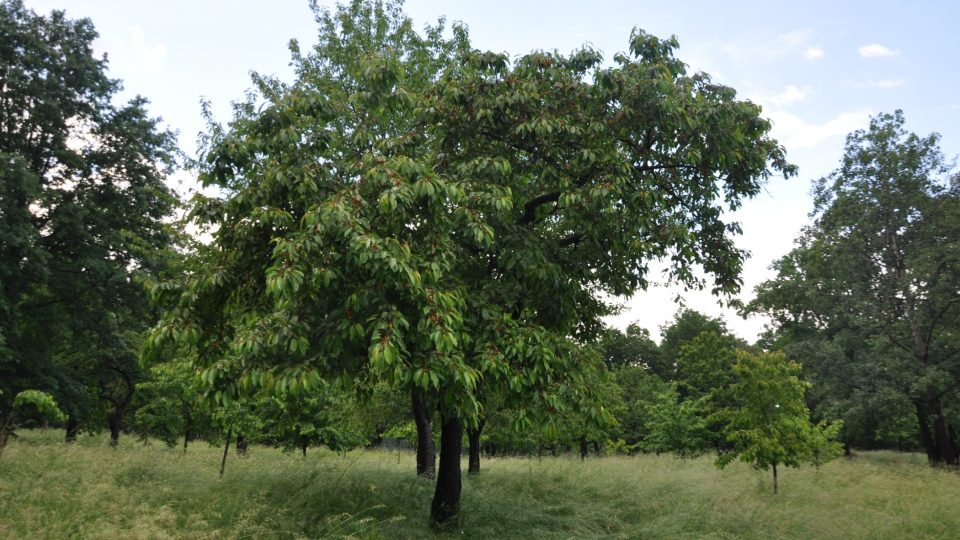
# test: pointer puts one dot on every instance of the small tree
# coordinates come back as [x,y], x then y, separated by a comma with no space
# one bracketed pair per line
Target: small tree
[770,423]
[41,401]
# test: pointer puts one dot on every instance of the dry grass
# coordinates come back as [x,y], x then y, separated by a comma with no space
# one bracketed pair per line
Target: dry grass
[86,490]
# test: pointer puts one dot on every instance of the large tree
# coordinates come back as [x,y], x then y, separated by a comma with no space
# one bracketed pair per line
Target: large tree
[881,261]
[417,211]
[82,199]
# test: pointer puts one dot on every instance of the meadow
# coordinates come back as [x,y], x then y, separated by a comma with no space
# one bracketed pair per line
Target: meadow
[87,490]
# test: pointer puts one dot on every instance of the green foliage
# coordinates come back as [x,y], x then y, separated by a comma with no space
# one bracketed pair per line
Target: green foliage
[770,424]
[640,390]
[42,402]
[676,425]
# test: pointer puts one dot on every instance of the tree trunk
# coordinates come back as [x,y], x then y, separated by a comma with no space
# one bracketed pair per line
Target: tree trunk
[5,430]
[73,428]
[583,449]
[226,449]
[303,447]
[596,447]
[114,422]
[774,478]
[474,437]
[426,452]
[847,451]
[446,497]
[938,442]
[241,445]
[186,439]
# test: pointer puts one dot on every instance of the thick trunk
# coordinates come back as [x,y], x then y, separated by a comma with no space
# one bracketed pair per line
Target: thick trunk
[426,452]
[241,445]
[114,422]
[935,434]
[226,449]
[944,440]
[446,497]
[473,435]
[774,478]
[73,428]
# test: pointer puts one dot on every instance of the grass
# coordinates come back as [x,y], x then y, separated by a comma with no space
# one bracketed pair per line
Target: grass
[87,490]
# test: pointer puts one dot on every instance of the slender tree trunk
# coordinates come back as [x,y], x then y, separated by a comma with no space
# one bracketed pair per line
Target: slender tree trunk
[583,448]
[186,439]
[473,435]
[5,430]
[596,447]
[847,451]
[226,449]
[774,478]
[73,427]
[303,447]
[446,497]
[426,452]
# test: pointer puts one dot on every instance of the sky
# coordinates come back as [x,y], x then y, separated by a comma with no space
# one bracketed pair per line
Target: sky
[818,69]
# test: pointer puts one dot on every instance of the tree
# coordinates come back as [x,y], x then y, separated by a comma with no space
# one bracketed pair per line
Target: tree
[415,211]
[769,425]
[632,347]
[881,260]
[687,324]
[82,199]
[42,402]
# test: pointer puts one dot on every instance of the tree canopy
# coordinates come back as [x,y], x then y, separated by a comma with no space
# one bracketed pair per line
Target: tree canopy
[82,203]
[415,210]
[877,275]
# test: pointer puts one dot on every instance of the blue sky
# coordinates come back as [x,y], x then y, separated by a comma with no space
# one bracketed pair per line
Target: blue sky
[819,69]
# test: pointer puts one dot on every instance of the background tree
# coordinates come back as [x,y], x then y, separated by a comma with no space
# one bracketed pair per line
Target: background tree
[880,259]
[686,325]
[82,201]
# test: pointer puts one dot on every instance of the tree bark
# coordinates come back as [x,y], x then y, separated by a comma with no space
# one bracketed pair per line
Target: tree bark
[241,445]
[226,449]
[473,435]
[114,422]
[73,428]
[426,452]
[5,430]
[446,497]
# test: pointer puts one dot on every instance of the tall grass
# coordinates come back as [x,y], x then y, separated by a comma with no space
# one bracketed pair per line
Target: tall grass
[87,490]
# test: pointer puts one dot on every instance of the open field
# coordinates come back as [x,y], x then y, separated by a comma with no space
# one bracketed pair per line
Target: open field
[50,490]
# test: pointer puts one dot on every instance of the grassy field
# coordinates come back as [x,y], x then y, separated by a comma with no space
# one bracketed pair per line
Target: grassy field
[86,490]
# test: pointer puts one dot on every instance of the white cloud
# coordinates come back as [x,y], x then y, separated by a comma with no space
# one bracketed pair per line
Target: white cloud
[794,132]
[891,83]
[790,95]
[132,52]
[875,50]
[813,53]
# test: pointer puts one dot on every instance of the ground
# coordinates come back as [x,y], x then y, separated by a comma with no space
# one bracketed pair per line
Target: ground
[87,490]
